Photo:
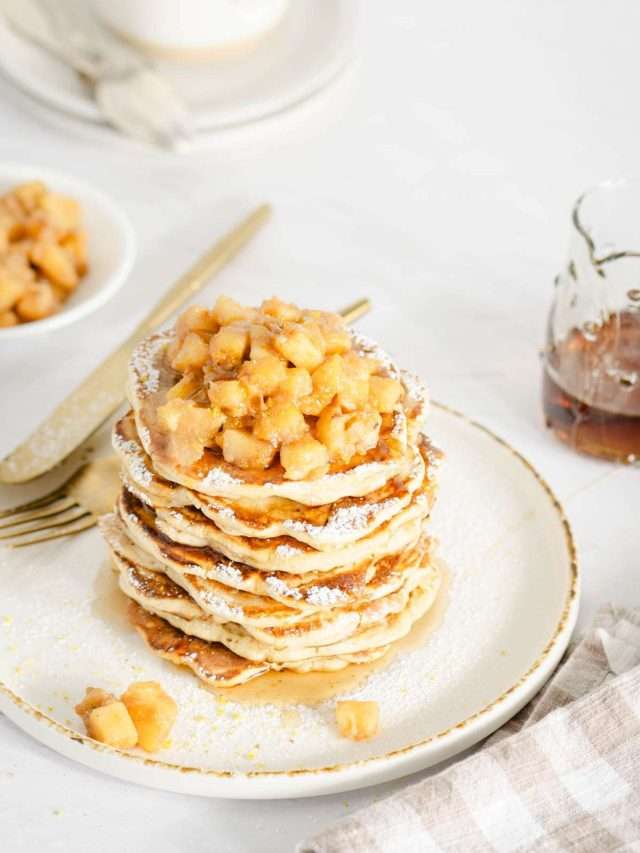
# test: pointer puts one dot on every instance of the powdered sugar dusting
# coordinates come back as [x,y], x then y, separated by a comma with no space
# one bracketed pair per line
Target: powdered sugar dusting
[219,477]
[227,572]
[219,606]
[346,520]
[136,464]
[144,360]
[287,551]
[281,588]
[325,596]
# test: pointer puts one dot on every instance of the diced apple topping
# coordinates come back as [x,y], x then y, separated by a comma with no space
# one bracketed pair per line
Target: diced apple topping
[297,346]
[345,435]
[358,720]
[43,252]
[8,318]
[304,458]
[55,263]
[227,310]
[192,354]
[153,713]
[191,427]
[284,311]
[384,393]
[231,396]
[263,376]
[94,697]
[111,724]
[280,423]
[12,288]
[296,385]
[144,715]
[38,301]
[196,319]
[279,380]
[229,345]
[106,719]
[261,339]
[245,450]
[188,386]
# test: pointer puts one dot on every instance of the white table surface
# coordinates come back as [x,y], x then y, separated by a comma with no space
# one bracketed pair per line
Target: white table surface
[450,154]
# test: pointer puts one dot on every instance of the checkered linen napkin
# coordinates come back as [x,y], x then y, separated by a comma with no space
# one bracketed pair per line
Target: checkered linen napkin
[564,775]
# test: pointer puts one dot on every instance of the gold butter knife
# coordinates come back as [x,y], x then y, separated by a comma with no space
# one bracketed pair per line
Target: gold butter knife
[86,408]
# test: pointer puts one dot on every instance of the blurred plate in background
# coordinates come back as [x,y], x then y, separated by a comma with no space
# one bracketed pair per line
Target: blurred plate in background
[306,51]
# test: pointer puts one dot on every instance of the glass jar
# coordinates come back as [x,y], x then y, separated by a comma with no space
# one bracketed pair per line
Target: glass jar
[591,386]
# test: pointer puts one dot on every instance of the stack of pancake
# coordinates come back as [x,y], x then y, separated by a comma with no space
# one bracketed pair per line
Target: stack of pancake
[235,572]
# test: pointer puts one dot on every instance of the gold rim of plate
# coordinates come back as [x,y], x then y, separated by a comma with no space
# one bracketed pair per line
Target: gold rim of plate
[567,611]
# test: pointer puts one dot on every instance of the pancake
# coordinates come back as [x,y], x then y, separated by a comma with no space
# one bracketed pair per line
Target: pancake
[367,582]
[323,527]
[216,665]
[150,377]
[282,554]
[333,634]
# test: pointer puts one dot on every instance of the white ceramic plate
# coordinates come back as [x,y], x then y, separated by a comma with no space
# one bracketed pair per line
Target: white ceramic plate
[302,55]
[512,606]
[111,247]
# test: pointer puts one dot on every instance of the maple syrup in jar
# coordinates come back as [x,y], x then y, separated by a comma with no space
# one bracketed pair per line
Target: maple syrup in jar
[591,383]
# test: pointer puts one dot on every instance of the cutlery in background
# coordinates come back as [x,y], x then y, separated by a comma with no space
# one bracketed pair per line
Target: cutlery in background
[131,95]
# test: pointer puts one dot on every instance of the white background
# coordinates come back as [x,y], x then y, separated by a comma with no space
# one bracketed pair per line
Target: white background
[454,148]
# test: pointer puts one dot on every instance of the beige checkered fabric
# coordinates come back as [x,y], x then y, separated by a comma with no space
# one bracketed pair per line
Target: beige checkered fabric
[564,775]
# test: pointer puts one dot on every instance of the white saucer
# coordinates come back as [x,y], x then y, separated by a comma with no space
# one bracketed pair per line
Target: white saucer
[512,604]
[307,50]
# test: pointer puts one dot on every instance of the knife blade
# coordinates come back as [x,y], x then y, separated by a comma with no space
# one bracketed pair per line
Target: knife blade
[86,408]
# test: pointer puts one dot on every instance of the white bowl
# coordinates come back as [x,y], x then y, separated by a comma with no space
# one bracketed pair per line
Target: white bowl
[111,247]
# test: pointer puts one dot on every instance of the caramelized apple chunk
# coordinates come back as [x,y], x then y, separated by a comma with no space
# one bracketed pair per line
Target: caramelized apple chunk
[196,319]
[191,427]
[187,387]
[153,713]
[227,310]
[11,289]
[230,395]
[295,386]
[55,263]
[263,376]
[38,301]
[384,393]
[94,697]
[305,458]
[284,311]
[192,354]
[358,720]
[280,423]
[297,346]
[229,345]
[8,319]
[345,435]
[245,450]
[106,719]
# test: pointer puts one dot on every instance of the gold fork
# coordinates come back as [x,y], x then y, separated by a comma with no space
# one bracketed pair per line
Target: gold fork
[90,492]
[70,508]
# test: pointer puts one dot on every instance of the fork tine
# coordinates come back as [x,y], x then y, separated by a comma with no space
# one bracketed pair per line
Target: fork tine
[89,522]
[37,528]
[54,507]
[45,500]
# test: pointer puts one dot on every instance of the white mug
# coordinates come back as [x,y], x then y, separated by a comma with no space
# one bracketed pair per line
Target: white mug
[188,27]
